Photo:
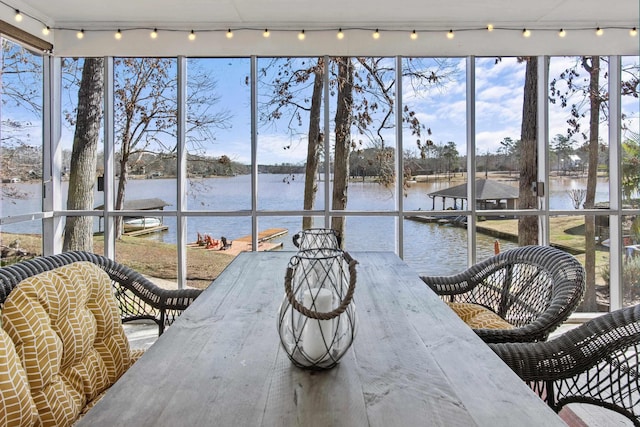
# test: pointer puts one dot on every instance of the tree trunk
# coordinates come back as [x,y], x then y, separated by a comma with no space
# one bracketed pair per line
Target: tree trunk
[590,300]
[122,185]
[78,230]
[314,141]
[343,142]
[527,199]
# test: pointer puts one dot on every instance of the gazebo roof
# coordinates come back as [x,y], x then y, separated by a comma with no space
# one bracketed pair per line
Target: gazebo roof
[486,189]
[141,204]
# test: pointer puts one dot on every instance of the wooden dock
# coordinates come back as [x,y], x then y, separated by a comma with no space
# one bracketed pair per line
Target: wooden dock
[147,230]
[265,235]
[243,244]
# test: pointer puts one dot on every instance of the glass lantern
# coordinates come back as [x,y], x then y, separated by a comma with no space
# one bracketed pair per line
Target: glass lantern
[317,318]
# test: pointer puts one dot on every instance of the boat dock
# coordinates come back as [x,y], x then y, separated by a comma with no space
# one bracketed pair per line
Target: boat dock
[148,230]
[265,235]
[244,244]
[457,219]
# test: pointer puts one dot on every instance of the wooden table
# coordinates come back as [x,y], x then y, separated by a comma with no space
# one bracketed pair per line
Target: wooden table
[413,362]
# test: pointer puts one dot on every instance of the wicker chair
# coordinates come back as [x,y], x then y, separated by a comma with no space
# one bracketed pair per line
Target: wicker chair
[596,363]
[533,288]
[138,298]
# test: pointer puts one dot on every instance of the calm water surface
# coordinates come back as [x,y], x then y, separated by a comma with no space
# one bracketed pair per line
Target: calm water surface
[430,248]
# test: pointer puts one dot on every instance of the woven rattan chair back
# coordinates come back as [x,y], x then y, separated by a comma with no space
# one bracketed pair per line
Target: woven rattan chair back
[138,298]
[534,288]
[596,363]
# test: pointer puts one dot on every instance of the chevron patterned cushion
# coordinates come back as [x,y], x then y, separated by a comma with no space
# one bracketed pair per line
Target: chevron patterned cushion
[479,317]
[18,408]
[66,329]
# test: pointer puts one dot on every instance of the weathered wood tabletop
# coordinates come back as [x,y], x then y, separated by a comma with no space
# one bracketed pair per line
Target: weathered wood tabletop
[413,362]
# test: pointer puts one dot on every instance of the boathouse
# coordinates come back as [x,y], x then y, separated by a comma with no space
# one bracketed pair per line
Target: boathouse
[490,194]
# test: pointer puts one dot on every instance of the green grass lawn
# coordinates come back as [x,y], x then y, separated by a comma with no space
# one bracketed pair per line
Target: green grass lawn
[566,232]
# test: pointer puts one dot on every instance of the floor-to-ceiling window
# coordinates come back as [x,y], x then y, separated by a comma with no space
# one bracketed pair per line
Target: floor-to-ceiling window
[629,181]
[435,143]
[220,147]
[21,151]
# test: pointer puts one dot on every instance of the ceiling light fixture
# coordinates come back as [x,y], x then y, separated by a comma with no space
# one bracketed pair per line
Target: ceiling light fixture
[450,34]
[18,16]
[154,33]
[46,30]
[633,32]
[80,34]
[266,33]
[118,34]
[490,27]
[376,34]
[340,34]
[526,33]
[562,33]
[192,35]
[414,35]
[599,32]
[301,35]
[229,34]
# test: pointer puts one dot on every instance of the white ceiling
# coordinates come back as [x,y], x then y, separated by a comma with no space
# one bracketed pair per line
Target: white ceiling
[426,16]
[383,13]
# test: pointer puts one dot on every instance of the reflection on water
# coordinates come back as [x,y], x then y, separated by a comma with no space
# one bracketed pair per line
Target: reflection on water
[430,248]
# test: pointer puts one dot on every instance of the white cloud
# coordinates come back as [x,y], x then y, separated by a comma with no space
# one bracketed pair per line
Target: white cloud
[275,148]
[489,141]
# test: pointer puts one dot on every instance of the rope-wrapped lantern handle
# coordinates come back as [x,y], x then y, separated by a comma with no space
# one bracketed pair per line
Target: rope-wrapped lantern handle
[330,314]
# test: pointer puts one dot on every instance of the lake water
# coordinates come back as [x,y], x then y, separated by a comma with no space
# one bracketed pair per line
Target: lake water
[430,248]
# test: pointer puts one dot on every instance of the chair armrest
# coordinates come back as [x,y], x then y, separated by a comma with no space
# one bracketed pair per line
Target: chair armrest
[138,298]
[596,362]
[575,351]
[450,285]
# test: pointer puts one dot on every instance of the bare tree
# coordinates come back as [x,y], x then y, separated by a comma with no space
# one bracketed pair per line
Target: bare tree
[343,141]
[631,169]
[145,123]
[21,91]
[577,197]
[592,66]
[527,199]
[294,97]
[21,77]
[78,231]
[146,113]
[591,96]
[314,147]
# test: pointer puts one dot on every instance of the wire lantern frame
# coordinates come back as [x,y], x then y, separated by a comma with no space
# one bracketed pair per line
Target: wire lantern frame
[315,238]
[317,321]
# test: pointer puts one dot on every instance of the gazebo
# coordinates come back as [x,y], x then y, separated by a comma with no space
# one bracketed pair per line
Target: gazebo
[490,194]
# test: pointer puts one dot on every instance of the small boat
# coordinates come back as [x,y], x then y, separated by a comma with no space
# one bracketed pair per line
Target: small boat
[141,223]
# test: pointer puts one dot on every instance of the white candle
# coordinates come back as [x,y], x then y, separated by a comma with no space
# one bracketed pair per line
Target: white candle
[316,332]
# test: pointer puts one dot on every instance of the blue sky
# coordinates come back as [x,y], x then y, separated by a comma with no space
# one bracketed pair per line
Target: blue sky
[499,91]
